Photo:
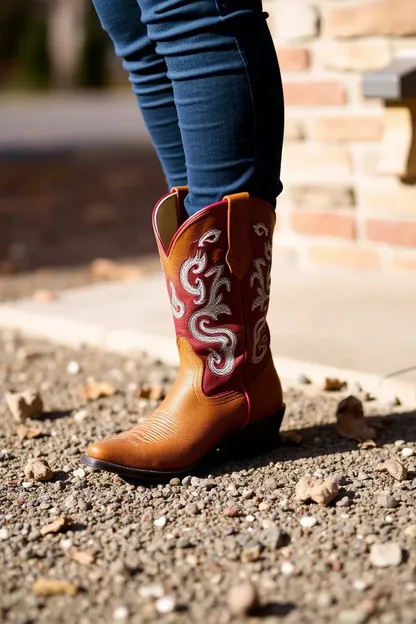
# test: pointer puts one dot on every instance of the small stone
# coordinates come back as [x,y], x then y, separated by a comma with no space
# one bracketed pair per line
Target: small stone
[151,591]
[28,433]
[344,502]
[351,422]
[385,500]
[394,467]
[5,455]
[287,568]
[175,481]
[80,415]
[322,491]
[308,522]
[195,481]
[192,509]
[166,604]
[55,526]
[160,522]
[324,600]
[243,599]
[360,585]
[80,556]
[38,470]
[4,534]
[407,452]
[73,368]
[333,384]
[23,405]
[53,587]
[120,613]
[251,553]
[272,538]
[230,512]
[186,480]
[27,484]
[410,531]
[399,443]
[250,518]
[353,616]
[385,555]
[79,473]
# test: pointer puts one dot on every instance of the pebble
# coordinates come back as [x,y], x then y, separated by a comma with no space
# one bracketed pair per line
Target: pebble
[120,613]
[308,522]
[186,480]
[385,555]
[324,600]
[4,534]
[79,472]
[38,470]
[344,502]
[151,591]
[175,481]
[166,604]
[80,415]
[251,553]
[161,522]
[250,518]
[243,599]
[360,585]
[407,452]
[23,405]
[230,512]
[352,616]
[385,500]
[73,368]
[399,443]
[287,567]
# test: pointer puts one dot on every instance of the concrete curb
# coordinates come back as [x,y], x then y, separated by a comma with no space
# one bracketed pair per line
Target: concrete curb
[74,333]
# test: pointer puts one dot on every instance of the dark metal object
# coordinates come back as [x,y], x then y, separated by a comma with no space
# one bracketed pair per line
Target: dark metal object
[397,81]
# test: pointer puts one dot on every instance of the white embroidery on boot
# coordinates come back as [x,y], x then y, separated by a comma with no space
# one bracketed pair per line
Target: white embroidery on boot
[221,362]
[262,277]
[178,306]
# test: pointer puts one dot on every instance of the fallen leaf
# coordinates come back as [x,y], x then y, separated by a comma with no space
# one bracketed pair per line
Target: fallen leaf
[96,390]
[55,526]
[351,422]
[104,269]
[80,556]
[28,433]
[23,405]
[38,470]
[291,437]
[53,587]
[332,384]
[155,392]
[322,491]
[44,296]
[394,467]
[367,444]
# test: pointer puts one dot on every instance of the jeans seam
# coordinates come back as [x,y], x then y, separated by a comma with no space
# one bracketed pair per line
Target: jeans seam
[244,62]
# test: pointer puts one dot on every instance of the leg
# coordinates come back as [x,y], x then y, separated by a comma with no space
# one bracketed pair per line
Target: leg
[153,89]
[227,87]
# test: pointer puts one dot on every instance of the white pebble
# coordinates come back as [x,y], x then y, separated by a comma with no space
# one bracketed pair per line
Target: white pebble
[250,518]
[407,452]
[360,585]
[4,534]
[167,604]
[161,522]
[65,544]
[79,472]
[399,443]
[80,415]
[287,567]
[120,613]
[389,519]
[73,368]
[27,484]
[151,591]
[308,522]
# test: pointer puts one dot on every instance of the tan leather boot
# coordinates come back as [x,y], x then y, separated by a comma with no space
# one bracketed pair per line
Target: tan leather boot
[227,393]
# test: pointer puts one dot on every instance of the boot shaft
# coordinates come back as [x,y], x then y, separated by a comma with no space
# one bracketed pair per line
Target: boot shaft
[217,265]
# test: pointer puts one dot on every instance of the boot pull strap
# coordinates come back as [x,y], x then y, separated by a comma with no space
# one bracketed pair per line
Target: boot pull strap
[238,254]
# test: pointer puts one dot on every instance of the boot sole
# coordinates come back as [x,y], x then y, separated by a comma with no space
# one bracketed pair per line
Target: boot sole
[259,437]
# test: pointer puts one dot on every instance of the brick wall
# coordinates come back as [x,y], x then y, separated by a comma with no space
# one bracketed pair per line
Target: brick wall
[349,164]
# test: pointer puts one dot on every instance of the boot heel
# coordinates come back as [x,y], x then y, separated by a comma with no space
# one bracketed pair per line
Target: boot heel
[258,437]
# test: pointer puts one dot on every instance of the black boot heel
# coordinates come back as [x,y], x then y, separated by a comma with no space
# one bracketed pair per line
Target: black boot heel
[258,437]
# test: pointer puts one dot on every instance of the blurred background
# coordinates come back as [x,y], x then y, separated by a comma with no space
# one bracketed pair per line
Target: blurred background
[78,176]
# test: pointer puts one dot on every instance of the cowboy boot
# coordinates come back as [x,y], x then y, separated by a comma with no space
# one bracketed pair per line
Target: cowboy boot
[227,394]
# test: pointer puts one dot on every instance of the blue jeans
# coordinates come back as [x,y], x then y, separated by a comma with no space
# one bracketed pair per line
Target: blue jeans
[207,81]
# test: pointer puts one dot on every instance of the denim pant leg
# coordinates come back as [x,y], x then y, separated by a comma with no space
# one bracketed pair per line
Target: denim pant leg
[227,87]
[147,73]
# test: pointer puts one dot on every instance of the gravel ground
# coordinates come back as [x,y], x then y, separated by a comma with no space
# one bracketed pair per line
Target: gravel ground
[171,553]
